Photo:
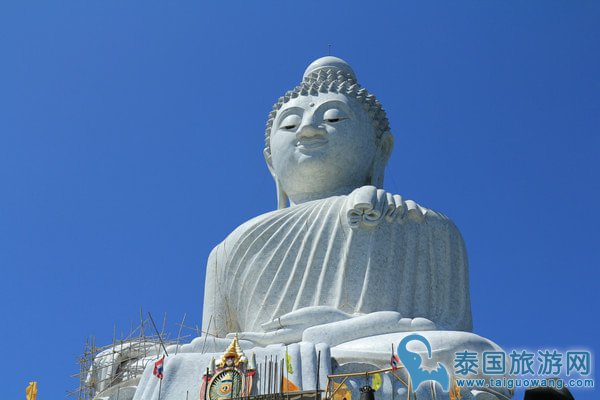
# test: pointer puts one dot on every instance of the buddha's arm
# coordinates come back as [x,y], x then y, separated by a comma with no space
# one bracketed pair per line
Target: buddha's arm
[290,327]
[435,245]
[217,318]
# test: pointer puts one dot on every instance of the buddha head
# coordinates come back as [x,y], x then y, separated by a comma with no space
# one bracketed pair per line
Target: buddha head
[327,136]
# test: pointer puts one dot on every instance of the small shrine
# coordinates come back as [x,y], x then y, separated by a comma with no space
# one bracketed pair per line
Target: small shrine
[230,377]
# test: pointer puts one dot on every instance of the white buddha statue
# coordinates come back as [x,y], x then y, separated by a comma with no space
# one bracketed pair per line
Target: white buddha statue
[342,266]
[344,249]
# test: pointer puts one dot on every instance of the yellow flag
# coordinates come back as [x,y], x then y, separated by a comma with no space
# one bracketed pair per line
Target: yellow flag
[31,391]
[376,382]
[455,391]
[288,362]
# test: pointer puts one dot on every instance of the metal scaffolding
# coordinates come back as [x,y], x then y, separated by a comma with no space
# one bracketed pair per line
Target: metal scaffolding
[106,367]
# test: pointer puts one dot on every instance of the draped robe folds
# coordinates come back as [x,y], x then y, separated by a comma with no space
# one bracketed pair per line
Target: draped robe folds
[310,255]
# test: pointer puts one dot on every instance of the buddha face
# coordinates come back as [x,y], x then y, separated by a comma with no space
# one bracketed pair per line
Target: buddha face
[321,146]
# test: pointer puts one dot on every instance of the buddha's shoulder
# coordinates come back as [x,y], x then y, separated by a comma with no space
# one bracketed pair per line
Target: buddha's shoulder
[365,208]
[261,223]
[426,214]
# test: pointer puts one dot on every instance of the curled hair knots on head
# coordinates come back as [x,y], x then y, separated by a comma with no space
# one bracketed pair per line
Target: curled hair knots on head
[331,80]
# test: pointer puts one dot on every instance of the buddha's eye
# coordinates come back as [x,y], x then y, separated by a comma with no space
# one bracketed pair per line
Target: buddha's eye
[290,122]
[334,115]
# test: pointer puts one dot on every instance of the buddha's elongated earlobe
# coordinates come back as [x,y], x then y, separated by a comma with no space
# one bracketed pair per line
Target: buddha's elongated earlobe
[282,198]
[386,143]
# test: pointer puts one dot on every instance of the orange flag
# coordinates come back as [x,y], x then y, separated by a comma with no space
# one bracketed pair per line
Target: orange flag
[289,386]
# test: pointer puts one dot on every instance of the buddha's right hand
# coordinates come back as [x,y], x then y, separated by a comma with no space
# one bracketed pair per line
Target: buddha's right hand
[309,316]
[368,206]
[289,327]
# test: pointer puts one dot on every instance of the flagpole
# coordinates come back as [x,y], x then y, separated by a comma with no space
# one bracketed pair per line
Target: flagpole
[281,380]
[391,380]
[206,384]
[270,376]
[275,372]
[159,387]
[318,373]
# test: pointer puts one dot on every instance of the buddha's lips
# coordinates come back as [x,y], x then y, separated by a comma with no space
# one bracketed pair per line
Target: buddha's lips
[311,144]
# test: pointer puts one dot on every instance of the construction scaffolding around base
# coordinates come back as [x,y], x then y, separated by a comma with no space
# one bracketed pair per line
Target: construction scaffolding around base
[119,366]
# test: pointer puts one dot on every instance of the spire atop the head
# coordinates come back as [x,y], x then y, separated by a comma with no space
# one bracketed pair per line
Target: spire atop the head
[330,62]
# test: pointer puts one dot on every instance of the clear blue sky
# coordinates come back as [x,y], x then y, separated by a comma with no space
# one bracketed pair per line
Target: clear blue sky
[131,135]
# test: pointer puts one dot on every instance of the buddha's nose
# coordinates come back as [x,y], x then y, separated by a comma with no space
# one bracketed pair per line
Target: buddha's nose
[310,129]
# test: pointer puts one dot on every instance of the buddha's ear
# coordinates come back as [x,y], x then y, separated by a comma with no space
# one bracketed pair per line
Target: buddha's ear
[267,156]
[386,144]
[282,198]
[384,150]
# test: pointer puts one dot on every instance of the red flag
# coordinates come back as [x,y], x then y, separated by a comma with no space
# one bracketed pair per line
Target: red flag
[394,360]
[158,368]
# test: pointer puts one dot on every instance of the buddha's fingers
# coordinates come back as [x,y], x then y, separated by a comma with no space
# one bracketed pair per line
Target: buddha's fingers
[400,207]
[354,218]
[373,324]
[377,323]
[359,202]
[284,336]
[379,208]
[308,316]
[367,205]
[414,211]
[390,208]
[364,198]
[421,324]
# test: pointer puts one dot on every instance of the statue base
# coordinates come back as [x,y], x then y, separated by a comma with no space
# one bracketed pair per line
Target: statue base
[337,372]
